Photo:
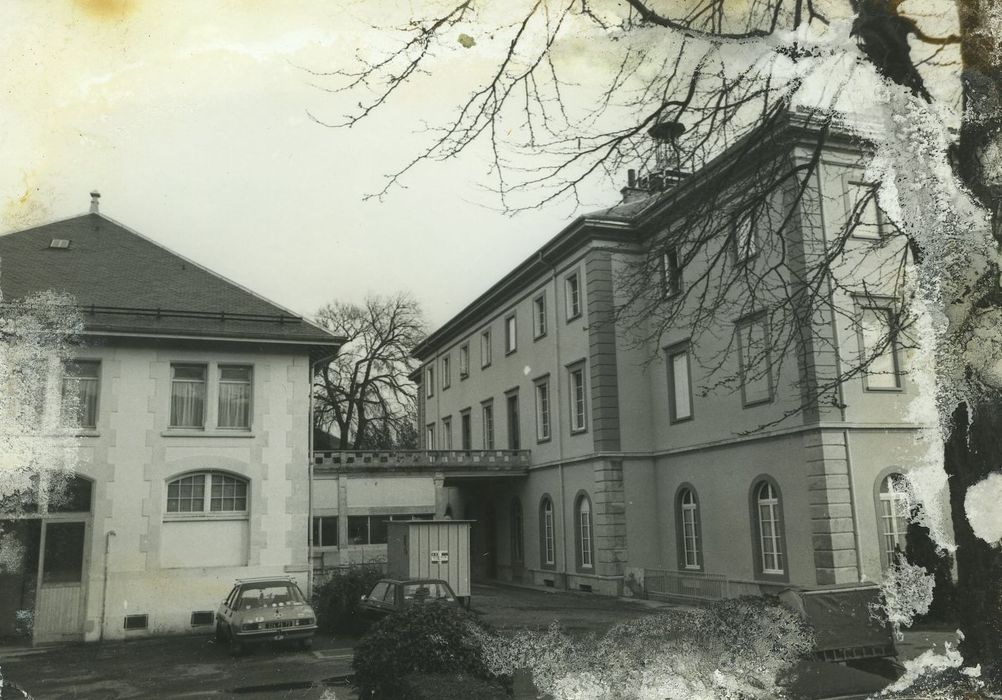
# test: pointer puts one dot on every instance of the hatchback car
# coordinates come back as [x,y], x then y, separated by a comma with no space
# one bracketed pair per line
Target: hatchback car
[265,610]
[389,595]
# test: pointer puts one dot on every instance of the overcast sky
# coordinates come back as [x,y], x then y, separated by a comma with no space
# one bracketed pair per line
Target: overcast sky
[192,124]
[190,117]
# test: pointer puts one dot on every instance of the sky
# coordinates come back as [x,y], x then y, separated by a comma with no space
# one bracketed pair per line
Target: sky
[191,120]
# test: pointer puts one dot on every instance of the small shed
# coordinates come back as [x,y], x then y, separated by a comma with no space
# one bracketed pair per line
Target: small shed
[431,549]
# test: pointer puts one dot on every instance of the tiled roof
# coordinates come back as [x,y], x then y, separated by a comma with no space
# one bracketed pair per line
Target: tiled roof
[128,285]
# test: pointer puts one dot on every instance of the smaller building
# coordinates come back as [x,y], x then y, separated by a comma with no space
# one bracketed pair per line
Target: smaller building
[193,439]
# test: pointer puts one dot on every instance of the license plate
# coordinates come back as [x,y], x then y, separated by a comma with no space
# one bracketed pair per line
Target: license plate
[279,637]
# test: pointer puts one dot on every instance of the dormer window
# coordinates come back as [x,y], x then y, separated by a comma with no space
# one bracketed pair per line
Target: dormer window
[59,243]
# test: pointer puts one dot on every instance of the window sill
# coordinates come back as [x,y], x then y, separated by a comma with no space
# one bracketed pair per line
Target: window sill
[575,317]
[463,376]
[186,432]
[86,433]
[579,431]
[543,440]
[510,352]
[753,404]
[676,421]
[538,337]
[883,390]
[204,517]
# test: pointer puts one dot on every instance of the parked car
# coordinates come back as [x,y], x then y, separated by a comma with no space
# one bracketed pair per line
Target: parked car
[265,610]
[389,595]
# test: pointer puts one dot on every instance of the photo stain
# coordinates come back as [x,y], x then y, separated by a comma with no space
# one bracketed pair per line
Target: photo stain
[110,10]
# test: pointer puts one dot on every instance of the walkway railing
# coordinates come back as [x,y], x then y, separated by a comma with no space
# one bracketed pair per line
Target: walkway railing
[445,460]
[661,584]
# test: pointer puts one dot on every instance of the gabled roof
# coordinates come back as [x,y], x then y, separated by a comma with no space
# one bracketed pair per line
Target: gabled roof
[127,285]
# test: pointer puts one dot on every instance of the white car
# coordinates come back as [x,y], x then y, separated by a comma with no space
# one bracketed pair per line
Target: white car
[265,610]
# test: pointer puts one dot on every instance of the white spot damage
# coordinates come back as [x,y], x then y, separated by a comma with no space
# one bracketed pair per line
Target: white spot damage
[983,510]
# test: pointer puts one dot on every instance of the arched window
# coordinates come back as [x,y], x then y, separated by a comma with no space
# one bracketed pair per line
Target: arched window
[548,550]
[517,537]
[207,492]
[585,553]
[770,529]
[894,503]
[687,510]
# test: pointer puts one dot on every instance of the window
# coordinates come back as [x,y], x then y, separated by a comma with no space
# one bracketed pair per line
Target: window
[583,532]
[879,347]
[542,409]
[207,492]
[429,436]
[430,382]
[577,398]
[325,531]
[548,553]
[487,413]
[510,334]
[446,373]
[756,370]
[485,348]
[234,397]
[464,360]
[679,388]
[769,529]
[187,396]
[465,430]
[572,290]
[81,382]
[539,316]
[893,513]
[862,212]
[374,528]
[745,239]
[447,433]
[517,534]
[514,441]
[671,273]
[688,528]
[64,552]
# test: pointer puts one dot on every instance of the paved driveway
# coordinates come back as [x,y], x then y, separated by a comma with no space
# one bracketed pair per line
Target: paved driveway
[197,667]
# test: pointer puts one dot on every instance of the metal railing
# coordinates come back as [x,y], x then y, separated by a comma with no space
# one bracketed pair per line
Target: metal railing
[661,584]
[367,459]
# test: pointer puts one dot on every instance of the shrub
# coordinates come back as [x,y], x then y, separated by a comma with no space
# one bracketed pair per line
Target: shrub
[729,649]
[449,686]
[432,638]
[336,602]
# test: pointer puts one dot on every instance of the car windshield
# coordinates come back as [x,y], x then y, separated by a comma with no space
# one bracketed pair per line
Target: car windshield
[268,595]
[421,592]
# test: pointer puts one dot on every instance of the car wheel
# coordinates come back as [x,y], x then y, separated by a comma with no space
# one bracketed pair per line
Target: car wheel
[236,646]
[220,634]
[306,644]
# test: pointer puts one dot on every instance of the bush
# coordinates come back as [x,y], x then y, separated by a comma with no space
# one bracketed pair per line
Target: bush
[336,602]
[449,686]
[433,638]
[731,648]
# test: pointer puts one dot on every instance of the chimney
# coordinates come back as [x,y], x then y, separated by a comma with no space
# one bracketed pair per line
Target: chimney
[95,202]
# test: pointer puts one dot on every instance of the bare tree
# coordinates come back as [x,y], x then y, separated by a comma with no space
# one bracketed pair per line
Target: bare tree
[728,72]
[364,394]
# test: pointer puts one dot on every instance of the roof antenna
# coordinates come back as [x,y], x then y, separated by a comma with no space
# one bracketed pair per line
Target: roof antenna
[95,202]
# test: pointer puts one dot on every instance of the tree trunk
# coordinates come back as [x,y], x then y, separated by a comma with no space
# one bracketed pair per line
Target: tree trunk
[972,453]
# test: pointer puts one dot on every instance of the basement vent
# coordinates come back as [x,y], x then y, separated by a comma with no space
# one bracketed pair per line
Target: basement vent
[59,243]
[137,622]
[548,582]
[202,617]
[584,587]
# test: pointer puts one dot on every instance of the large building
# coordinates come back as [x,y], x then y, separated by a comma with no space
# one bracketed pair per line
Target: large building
[739,454]
[193,436]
